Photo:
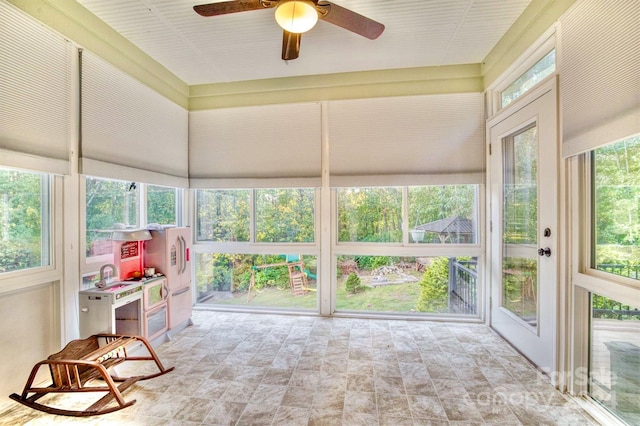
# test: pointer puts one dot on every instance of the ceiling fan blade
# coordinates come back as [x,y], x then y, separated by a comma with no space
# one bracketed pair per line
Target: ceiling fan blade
[290,45]
[225,7]
[350,20]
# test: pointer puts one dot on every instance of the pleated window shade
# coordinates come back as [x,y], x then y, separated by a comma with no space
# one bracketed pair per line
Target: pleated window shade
[600,73]
[129,131]
[256,147]
[35,94]
[432,139]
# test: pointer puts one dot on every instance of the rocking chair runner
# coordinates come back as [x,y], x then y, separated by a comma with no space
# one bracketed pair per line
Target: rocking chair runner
[83,360]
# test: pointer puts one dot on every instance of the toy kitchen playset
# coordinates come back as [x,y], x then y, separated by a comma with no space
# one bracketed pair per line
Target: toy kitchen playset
[151,295]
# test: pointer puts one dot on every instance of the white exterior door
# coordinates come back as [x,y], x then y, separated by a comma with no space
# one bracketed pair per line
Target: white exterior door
[524,216]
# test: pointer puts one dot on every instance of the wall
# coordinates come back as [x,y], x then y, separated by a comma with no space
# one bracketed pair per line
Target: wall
[28,331]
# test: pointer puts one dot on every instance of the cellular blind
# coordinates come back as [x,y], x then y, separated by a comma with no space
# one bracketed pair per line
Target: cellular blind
[129,131]
[432,139]
[600,73]
[35,94]
[255,147]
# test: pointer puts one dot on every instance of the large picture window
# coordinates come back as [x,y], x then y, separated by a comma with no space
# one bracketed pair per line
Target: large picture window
[616,208]
[408,284]
[24,220]
[390,250]
[256,248]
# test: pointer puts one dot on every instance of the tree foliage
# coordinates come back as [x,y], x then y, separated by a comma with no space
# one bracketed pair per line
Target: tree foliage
[21,212]
[370,215]
[434,296]
[108,203]
[285,215]
[353,284]
[161,205]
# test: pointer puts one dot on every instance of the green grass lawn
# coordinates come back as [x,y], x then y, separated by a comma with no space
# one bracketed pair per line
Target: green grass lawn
[390,298]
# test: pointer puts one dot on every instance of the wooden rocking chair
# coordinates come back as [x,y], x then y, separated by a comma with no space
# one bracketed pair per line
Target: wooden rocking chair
[84,360]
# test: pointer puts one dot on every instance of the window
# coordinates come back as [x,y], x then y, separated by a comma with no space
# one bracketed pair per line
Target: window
[223,215]
[408,284]
[109,204]
[444,214]
[541,69]
[609,277]
[614,376]
[398,265]
[371,215]
[162,205]
[256,248]
[281,215]
[257,281]
[24,220]
[285,215]
[616,208]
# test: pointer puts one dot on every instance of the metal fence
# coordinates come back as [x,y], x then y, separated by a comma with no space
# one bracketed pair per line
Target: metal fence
[463,286]
[622,269]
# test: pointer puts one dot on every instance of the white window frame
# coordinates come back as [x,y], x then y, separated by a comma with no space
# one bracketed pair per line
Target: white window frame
[585,280]
[179,207]
[91,265]
[252,247]
[407,249]
[52,218]
[529,58]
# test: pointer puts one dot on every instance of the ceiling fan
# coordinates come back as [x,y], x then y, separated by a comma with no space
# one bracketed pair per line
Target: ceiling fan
[298,16]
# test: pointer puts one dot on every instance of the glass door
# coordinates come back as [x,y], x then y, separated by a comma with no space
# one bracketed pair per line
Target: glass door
[524,217]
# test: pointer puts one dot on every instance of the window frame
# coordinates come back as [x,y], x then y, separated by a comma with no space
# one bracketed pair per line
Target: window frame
[91,265]
[252,247]
[144,200]
[585,280]
[52,272]
[409,249]
[406,242]
[230,246]
[528,59]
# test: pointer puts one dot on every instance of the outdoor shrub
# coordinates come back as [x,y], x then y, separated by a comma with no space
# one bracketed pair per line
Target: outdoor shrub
[435,284]
[15,258]
[353,284]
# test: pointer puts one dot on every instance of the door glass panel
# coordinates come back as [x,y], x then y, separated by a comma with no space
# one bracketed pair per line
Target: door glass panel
[520,225]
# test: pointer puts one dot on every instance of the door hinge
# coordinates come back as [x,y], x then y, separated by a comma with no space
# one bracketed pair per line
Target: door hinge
[490,226]
[489,149]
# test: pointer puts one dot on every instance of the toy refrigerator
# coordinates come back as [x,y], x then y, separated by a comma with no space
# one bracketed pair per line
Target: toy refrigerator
[169,252]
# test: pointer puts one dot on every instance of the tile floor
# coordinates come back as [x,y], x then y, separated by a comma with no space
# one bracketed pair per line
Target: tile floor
[258,369]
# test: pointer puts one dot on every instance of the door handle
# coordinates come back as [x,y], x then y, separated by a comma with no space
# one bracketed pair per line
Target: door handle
[544,252]
[183,254]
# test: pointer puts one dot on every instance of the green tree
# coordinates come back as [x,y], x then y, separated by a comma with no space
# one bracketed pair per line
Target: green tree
[21,212]
[161,205]
[435,284]
[285,215]
[354,284]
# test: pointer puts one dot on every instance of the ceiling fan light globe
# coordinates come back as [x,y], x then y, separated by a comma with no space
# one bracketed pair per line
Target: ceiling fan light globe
[296,16]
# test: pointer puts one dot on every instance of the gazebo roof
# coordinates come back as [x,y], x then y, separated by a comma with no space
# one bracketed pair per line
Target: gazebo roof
[450,225]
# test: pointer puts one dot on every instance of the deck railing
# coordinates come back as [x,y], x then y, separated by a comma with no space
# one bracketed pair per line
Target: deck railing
[622,269]
[463,285]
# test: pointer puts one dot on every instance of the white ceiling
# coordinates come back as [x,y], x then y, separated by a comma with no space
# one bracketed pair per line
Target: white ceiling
[247,46]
